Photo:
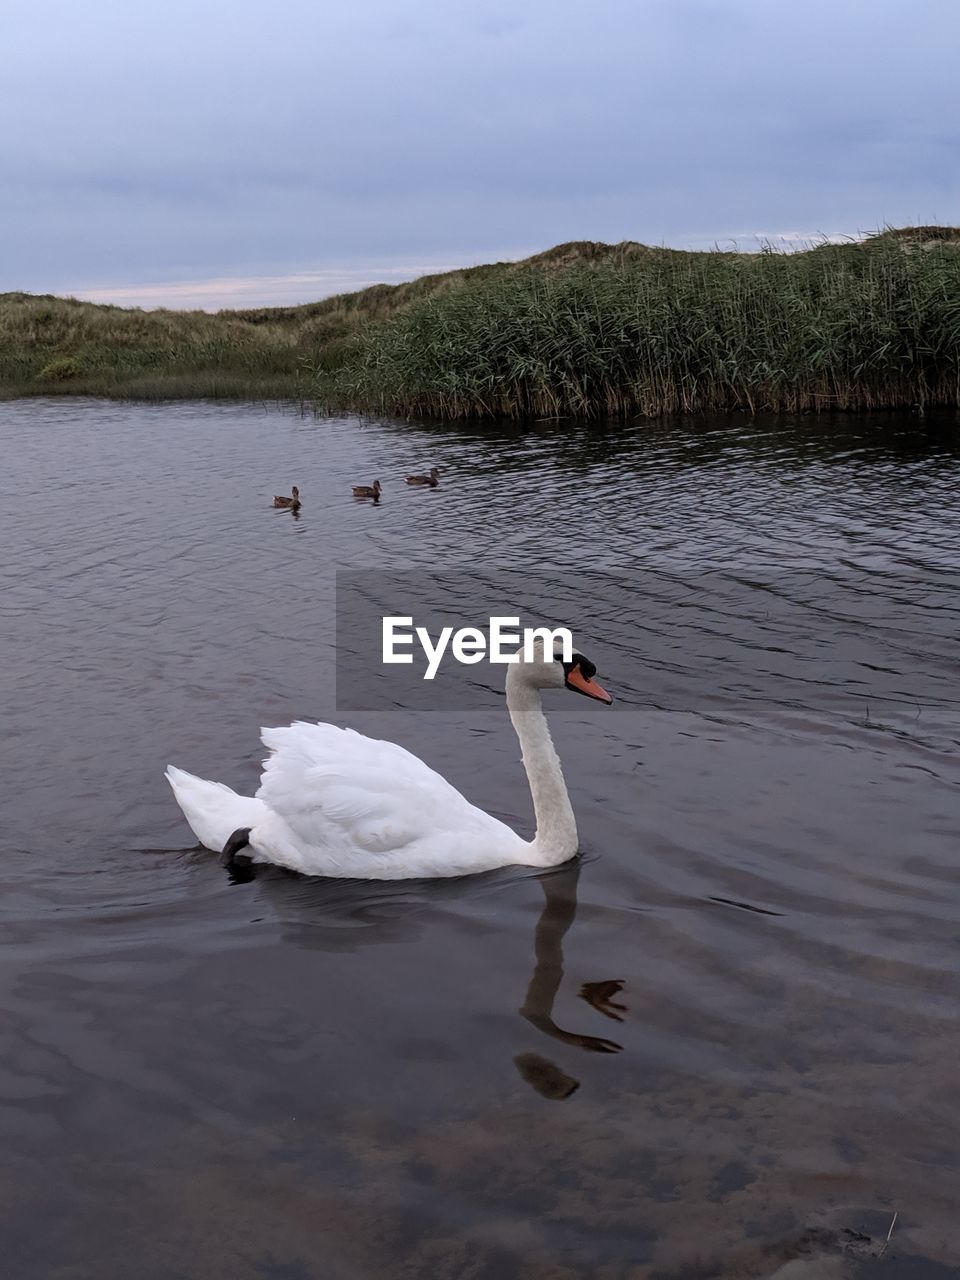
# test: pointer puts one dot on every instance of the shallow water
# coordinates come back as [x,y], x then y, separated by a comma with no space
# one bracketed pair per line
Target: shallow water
[295,1078]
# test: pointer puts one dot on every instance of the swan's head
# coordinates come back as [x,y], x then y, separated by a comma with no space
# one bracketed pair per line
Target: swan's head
[548,670]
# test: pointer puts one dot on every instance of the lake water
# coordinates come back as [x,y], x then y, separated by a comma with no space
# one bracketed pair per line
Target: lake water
[291,1078]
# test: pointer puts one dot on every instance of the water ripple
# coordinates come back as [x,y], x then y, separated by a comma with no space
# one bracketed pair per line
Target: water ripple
[770,816]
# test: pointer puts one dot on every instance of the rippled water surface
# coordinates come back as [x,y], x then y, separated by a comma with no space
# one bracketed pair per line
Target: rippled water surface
[295,1078]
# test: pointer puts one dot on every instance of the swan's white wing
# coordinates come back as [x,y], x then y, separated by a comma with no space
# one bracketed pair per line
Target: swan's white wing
[341,804]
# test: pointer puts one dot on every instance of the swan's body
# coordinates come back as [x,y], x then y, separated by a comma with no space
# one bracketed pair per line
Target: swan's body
[333,802]
[281,500]
[433,479]
[368,490]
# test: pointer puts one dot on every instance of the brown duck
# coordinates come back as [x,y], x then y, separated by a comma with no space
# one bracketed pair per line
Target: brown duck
[367,491]
[433,479]
[282,501]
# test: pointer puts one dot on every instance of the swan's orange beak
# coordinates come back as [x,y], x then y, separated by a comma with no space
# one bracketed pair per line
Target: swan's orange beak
[578,681]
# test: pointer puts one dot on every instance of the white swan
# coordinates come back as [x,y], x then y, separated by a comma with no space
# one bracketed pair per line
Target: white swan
[333,802]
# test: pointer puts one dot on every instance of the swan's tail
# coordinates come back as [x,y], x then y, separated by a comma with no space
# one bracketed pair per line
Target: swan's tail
[212,809]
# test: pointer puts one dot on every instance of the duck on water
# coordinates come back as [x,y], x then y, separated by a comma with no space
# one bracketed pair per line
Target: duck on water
[281,500]
[433,479]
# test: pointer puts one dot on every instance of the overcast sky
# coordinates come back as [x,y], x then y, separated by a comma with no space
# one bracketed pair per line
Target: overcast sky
[220,152]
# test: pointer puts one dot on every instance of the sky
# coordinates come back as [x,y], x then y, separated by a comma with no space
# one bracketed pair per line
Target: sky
[217,153]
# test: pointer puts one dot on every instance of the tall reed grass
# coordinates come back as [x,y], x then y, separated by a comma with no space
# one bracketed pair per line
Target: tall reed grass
[856,327]
[583,329]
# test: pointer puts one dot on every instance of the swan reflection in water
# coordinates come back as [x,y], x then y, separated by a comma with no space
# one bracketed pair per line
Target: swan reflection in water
[556,916]
[559,910]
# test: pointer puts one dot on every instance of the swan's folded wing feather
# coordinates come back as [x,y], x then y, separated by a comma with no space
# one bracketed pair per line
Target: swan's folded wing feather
[310,761]
[359,798]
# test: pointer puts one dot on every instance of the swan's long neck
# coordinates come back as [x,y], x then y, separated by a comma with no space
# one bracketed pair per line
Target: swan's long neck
[556,838]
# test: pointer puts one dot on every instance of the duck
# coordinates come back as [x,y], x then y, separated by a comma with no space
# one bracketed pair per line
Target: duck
[334,802]
[433,479]
[368,490]
[282,501]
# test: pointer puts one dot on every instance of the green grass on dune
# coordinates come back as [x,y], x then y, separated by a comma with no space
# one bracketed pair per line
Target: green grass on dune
[583,329]
[853,327]
[58,346]
[61,346]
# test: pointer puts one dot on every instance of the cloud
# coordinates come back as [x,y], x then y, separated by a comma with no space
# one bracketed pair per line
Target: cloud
[257,291]
[203,139]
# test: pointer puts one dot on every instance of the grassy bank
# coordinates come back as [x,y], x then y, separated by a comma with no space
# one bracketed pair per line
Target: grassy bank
[60,346]
[854,327]
[584,329]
